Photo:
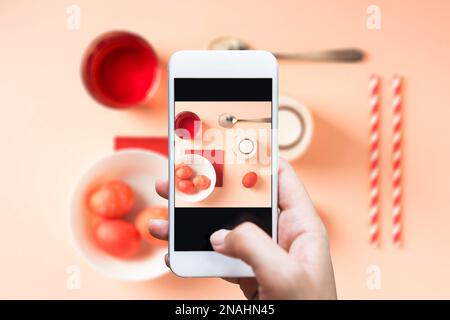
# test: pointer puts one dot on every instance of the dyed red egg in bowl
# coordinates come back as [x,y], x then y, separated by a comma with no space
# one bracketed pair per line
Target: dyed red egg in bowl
[200,167]
[139,169]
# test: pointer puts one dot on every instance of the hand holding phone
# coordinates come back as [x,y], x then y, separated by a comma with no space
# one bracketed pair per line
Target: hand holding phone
[299,267]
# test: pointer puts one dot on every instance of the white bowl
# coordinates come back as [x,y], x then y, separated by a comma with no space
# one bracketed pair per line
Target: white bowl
[201,166]
[139,169]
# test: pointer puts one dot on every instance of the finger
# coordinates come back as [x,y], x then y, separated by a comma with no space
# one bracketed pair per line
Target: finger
[232,280]
[249,287]
[162,188]
[166,260]
[252,245]
[159,228]
[298,215]
[291,191]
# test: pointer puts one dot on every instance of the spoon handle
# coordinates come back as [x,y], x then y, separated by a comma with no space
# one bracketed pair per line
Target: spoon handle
[256,120]
[337,55]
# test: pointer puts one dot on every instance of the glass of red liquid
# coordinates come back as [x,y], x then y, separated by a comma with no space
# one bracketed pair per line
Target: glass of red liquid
[120,69]
[187,125]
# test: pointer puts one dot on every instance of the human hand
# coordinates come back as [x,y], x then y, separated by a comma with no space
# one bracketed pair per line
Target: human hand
[298,267]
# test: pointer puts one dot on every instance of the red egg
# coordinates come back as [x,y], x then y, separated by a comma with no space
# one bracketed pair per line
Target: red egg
[144,217]
[117,238]
[111,199]
[249,180]
[186,186]
[183,171]
[201,182]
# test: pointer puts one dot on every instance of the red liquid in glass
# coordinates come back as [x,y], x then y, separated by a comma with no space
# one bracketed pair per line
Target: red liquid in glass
[187,125]
[120,69]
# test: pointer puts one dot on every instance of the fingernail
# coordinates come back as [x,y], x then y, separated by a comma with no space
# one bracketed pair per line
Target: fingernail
[155,223]
[218,238]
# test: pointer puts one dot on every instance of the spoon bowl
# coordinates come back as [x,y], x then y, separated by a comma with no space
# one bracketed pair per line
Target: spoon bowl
[227,120]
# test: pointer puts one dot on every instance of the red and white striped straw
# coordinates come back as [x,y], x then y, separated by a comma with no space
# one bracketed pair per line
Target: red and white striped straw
[396,161]
[374,209]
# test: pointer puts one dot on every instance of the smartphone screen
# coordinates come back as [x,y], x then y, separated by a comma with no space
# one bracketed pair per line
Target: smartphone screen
[222,157]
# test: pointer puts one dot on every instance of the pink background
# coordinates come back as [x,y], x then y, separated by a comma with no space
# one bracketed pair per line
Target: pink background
[232,193]
[51,131]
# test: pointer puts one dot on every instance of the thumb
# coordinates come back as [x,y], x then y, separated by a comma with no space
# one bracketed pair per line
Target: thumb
[253,246]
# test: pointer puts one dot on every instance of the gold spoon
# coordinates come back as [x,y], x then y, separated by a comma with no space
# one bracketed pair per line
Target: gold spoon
[336,55]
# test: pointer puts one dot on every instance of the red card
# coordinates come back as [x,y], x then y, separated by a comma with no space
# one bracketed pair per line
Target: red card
[157,144]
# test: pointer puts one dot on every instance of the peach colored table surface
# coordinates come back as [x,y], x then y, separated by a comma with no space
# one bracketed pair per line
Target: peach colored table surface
[51,131]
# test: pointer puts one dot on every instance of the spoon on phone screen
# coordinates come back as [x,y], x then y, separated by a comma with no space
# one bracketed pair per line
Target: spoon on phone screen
[335,55]
[227,120]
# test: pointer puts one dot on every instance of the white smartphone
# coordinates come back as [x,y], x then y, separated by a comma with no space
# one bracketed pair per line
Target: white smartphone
[223,154]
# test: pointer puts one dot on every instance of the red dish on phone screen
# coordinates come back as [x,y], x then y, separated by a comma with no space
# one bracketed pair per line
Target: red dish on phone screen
[187,125]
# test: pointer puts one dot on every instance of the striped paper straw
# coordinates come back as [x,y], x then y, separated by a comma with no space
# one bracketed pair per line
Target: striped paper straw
[396,161]
[374,209]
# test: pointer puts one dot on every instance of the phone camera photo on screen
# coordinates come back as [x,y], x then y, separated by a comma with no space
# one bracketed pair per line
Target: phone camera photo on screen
[222,157]
[223,154]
